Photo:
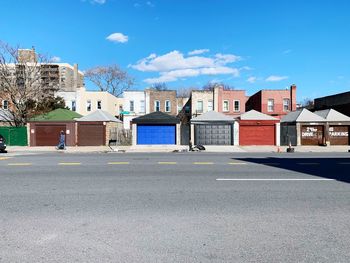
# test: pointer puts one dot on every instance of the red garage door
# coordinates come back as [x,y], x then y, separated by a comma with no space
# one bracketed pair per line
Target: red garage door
[257,135]
[91,134]
[48,135]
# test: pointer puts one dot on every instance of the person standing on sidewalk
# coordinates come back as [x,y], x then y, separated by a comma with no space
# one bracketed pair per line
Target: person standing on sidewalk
[62,141]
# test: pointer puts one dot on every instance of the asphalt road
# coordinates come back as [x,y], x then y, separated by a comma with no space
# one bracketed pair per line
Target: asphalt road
[176,207]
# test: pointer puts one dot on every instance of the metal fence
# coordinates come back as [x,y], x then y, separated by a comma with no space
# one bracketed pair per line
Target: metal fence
[120,136]
[15,136]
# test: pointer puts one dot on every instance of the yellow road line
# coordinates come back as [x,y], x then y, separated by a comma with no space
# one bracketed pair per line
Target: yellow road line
[19,164]
[203,163]
[167,162]
[237,163]
[4,158]
[118,163]
[69,163]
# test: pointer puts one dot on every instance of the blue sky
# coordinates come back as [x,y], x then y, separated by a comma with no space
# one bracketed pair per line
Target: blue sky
[249,44]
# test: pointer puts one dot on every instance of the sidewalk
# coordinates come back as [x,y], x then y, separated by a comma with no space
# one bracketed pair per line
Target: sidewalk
[170,148]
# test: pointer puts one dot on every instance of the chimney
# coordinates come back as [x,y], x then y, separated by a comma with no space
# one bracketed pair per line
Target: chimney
[293,97]
[75,77]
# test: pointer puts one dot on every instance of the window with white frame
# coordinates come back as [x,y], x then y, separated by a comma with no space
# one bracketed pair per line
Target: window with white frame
[131,106]
[167,106]
[99,104]
[142,106]
[157,105]
[74,105]
[210,105]
[225,106]
[199,106]
[286,103]
[5,104]
[236,106]
[88,105]
[270,105]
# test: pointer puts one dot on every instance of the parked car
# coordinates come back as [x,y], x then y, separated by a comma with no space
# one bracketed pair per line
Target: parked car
[2,144]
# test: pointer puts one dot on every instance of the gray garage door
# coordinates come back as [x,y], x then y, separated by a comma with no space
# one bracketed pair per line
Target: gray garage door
[213,134]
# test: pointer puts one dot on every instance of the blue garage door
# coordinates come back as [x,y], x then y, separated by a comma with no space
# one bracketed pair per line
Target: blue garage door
[156,134]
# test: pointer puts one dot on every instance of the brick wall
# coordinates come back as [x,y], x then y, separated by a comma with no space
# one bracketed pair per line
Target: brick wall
[162,96]
[231,96]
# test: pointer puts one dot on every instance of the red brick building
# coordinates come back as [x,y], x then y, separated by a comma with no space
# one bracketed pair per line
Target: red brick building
[230,102]
[273,102]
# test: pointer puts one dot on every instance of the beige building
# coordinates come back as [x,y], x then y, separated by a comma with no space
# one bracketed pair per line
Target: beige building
[84,102]
[202,101]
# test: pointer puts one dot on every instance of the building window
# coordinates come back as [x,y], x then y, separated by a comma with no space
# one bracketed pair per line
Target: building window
[99,104]
[157,105]
[167,106]
[236,106]
[132,107]
[142,106]
[210,105]
[286,106]
[74,105]
[88,105]
[5,104]
[200,106]
[225,106]
[270,105]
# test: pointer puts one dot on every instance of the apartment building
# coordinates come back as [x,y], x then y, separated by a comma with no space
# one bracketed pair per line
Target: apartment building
[84,102]
[63,75]
[273,102]
[134,105]
[201,101]
[161,100]
[230,102]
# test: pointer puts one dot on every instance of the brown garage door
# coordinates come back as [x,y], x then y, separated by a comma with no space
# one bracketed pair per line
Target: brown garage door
[48,135]
[257,135]
[339,135]
[312,135]
[91,134]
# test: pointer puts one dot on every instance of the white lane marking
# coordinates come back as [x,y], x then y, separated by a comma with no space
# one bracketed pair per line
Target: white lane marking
[237,163]
[272,179]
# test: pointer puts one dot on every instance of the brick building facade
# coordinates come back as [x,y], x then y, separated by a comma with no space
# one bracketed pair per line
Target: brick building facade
[273,102]
[161,100]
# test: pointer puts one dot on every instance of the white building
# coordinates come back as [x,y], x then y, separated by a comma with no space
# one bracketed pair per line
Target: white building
[134,105]
[84,102]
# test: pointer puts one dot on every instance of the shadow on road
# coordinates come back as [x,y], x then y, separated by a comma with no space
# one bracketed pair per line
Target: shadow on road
[331,168]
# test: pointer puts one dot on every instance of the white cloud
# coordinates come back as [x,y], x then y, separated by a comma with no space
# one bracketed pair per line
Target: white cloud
[226,58]
[100,2]
[118,37]
[287,51]
[55,59]
[274,78]
[174,65]
[198,52]
[252,79]
[149,3]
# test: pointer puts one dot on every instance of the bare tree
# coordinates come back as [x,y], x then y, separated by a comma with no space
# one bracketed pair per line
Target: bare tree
[24,81]
[184,92]
[161,86]
[211,85]
[307,104]
[110,78]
